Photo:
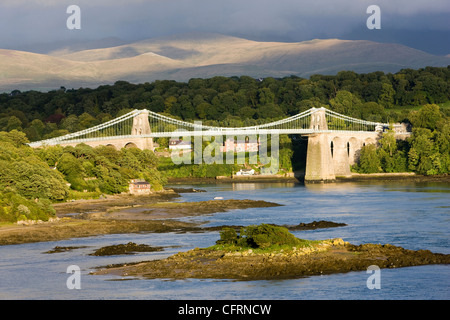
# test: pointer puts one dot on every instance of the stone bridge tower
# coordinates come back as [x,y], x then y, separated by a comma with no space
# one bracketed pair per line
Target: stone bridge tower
[141,126]
[319,161]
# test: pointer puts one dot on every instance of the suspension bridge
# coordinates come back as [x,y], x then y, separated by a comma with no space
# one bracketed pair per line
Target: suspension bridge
[333,139]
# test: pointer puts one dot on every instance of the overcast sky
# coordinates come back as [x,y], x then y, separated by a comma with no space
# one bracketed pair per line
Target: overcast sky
[36,25]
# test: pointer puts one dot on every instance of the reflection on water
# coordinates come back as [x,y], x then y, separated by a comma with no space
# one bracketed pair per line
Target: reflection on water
[241,186]
[411,215]
[333,187]
[397,186]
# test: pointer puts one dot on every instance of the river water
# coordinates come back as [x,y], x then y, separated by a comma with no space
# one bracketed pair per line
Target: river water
[412,215]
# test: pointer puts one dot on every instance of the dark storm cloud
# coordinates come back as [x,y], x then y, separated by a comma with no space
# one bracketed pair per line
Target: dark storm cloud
[28,23]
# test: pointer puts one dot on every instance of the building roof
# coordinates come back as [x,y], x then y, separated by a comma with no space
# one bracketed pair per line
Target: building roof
[138,181]
[179,142]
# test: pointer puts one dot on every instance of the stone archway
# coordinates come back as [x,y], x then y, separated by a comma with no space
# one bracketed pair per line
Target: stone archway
[354,146]
[332,148]
[337,146]
[130,145]
[369,141]
[340,156]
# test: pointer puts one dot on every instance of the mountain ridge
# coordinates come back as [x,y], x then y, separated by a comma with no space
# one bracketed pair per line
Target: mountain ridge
[182,57]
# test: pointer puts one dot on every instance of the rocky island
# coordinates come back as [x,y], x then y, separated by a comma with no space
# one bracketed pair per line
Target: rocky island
[270,252]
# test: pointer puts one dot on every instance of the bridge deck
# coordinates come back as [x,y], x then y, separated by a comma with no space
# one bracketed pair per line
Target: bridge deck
[177,134]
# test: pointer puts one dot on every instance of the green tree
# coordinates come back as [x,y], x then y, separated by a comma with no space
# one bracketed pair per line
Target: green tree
[25,173]
[286,152]
[386,97]
[70,123]
[14,123]
[424,156]
[427,117]
[372,111]
[168,103]
[388,142]
[50,154]
[86,121]
[346,103]
[369,161]
[442,142]
[32,180]
[391,158]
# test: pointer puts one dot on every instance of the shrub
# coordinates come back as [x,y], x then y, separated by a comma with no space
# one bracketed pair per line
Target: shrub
[14,207]
[228,236]
[259,236]
[266,235]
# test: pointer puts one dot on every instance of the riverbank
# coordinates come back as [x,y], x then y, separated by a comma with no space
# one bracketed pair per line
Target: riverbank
[394,176]
[299,177]
[121,214]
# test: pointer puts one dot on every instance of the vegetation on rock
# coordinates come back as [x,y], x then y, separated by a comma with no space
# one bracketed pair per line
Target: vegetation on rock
[263,236]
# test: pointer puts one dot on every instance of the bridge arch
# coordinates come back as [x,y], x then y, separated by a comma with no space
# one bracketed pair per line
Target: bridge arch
[340,156]
[130,145]
[354,145]
[369,141]
[337,145]
[332,148]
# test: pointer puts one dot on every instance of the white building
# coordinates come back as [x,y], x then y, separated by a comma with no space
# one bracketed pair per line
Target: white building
[245,172]
[177,144]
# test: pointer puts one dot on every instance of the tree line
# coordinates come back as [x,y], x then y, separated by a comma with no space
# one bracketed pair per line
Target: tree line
[227,101]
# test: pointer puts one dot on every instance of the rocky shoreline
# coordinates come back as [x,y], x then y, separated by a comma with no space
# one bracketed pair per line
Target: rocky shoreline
[325,257]
[121,214]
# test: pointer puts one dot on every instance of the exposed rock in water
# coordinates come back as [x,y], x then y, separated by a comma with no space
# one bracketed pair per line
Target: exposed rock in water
[58,249]
[128,248]
[327,257]
[186,190]
[301,226]
[315,225]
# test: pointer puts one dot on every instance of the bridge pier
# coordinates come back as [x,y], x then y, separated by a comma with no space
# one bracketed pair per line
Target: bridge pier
[319,163]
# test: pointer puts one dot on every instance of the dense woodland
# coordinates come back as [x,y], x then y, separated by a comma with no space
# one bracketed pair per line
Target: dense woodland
[30,180]
[231,101]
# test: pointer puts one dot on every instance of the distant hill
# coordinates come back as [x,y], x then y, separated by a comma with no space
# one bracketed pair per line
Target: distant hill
[203,56]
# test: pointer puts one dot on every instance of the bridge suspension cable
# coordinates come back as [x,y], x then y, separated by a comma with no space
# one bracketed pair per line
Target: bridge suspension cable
[163,126]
